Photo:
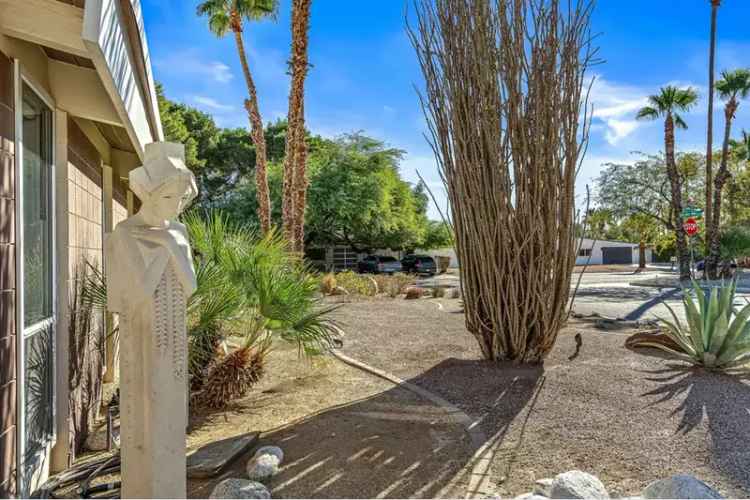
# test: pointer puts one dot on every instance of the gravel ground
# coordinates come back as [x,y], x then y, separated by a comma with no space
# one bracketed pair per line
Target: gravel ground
[629,418]
[345,434]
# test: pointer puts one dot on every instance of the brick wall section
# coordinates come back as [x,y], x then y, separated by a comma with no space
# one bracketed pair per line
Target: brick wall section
[7,282]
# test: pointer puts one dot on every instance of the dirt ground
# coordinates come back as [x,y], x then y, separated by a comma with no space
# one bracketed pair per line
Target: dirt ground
[628,417]
[345,434]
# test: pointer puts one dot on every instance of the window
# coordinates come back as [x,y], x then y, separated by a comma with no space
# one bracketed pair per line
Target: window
[37,209]
[584,252]
[37,280]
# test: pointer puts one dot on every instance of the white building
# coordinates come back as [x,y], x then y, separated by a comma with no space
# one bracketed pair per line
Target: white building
[596,252]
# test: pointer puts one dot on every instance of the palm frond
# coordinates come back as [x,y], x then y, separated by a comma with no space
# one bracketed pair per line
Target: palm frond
[648,113]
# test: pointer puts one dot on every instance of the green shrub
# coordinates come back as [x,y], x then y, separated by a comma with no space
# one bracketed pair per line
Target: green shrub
[357,284]
[735,242]
[249,286]
[393,285]
[717,336]
[438,292]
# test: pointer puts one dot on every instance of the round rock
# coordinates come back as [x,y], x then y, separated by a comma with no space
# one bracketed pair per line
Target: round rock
[263,467]
[680,486]
[577,484]
[270,450]
[239,488]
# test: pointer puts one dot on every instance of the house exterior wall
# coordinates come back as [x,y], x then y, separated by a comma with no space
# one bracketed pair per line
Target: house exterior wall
[85,217]
[597,255]
[7,281]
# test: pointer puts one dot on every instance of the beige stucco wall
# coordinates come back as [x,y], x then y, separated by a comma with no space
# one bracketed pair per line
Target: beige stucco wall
[32,57]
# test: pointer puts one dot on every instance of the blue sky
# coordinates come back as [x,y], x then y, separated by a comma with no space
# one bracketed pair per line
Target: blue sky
[364,71]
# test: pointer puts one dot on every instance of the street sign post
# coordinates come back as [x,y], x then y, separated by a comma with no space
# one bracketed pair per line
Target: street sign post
[690,226]
[691,229]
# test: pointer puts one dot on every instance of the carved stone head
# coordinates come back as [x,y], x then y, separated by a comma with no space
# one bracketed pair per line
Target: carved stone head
[164,184]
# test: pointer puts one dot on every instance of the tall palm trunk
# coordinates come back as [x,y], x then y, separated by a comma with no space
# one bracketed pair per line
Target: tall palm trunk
[295,175]
[710,129]
[712,263]
[256,134]
[676,185]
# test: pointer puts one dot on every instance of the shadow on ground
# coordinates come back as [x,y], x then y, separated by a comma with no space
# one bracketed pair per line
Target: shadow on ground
[396,444]
[726,413]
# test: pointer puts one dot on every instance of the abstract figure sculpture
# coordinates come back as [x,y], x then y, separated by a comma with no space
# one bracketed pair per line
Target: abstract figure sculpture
[150,277]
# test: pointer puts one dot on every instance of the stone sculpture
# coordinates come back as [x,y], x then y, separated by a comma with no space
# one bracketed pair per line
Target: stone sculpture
[150,277]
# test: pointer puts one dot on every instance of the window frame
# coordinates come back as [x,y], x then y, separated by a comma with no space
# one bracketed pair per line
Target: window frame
[22,77]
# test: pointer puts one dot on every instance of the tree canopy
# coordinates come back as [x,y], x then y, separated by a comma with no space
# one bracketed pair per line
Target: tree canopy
[356,194]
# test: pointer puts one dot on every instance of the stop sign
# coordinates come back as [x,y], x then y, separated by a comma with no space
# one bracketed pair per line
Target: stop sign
[690,226]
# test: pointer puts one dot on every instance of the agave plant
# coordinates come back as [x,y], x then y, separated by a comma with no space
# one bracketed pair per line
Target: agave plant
[717,335]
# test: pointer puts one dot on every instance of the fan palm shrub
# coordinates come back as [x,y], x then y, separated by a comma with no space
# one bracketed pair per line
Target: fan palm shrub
[717,335]
[249,287]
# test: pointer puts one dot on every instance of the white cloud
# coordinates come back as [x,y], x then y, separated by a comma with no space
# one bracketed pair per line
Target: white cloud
[189,62]
[619,129]
[211,103]
[615,106]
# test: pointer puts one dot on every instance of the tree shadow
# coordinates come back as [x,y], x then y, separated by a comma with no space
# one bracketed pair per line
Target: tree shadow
[398,444]
[723,400]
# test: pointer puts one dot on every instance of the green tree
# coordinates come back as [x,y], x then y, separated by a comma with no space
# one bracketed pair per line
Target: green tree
[437,235]
[667,105]
[198,132]
[734,85]
[225,16]
[357,197]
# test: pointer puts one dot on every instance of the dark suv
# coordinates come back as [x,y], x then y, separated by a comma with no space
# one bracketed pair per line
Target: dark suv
[419,264]
[379,264]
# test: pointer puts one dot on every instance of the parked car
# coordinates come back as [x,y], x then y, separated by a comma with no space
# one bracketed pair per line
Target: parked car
[419,264]
[379,264]
[728,265]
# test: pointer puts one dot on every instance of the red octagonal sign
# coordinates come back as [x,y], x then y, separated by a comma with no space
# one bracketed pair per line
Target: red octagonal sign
[690,226]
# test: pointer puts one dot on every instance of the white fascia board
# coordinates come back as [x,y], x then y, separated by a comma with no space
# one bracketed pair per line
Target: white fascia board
[106,40]
[138,11]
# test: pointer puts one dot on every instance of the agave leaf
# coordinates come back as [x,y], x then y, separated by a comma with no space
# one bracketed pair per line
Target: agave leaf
[709,319]
[674,332]
[739,359]
[695,323]
[677,354]
[721,328]
[736,328]
[700,295]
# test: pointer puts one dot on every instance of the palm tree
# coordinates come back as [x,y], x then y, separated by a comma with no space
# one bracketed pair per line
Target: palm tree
[225,16]
[734,85]
[715,4]
[666,104]
[295,175]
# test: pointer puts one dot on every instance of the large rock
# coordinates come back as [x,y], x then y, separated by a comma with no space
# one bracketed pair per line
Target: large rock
[239,488]
[577,484]
[265,463]
[680,486]
[211,459]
